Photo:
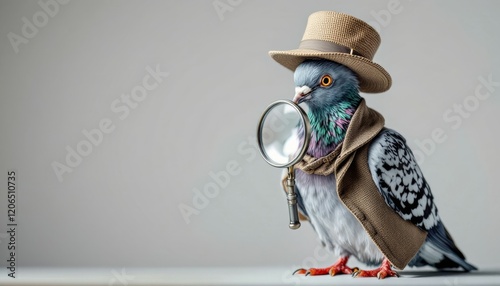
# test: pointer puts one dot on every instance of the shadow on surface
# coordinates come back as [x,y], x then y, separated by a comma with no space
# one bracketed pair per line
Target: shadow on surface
[421,274]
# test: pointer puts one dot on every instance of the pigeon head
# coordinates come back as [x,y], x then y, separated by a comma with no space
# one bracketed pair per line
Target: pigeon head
[322,84]
[330,91]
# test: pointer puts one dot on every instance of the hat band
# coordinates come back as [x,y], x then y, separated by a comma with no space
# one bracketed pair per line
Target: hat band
[327,47]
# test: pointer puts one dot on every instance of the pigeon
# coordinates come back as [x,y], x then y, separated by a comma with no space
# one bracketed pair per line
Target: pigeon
[331,93]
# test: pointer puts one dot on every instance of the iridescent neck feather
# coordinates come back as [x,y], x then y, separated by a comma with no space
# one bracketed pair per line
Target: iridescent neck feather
[329,124]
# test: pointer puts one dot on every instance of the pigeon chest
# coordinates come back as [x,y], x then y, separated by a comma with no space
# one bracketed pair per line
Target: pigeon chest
[335,225]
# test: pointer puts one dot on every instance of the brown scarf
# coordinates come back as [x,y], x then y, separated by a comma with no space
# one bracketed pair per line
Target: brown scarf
[397,239]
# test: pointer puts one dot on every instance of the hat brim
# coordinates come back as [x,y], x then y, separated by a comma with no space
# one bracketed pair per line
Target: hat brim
[372,77]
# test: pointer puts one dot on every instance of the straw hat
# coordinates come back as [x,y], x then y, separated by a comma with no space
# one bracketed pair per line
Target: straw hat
[343,39]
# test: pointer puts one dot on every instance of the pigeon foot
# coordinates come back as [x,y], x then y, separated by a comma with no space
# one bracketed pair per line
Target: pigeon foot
[339,267]
[382,272]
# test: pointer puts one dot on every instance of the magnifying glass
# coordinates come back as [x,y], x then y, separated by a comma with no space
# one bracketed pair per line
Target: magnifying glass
[283,135]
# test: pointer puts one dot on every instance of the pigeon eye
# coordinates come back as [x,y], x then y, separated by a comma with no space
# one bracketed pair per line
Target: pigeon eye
[326,80]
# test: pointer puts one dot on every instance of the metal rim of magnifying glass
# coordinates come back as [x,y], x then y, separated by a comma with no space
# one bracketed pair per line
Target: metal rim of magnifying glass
[307,128]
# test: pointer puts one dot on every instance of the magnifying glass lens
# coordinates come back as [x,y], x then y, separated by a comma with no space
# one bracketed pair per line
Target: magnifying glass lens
[282,133]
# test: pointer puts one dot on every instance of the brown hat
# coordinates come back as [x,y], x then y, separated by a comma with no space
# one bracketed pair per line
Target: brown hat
[343,39]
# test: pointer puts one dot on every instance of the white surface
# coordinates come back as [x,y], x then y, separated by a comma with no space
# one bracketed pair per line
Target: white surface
[120,206]
[235,276]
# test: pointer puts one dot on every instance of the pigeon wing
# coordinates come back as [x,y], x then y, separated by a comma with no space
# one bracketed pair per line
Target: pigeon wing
[400,181]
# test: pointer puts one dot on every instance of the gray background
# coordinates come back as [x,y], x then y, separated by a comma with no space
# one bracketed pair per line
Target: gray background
[120,205]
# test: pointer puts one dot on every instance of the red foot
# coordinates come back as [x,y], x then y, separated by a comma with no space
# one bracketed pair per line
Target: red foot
[383,271]
[339,267]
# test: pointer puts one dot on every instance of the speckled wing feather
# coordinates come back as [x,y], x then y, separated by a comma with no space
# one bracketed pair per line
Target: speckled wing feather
[402,184]
[400,181]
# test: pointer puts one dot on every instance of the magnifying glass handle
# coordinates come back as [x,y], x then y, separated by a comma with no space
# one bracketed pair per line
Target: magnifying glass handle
[292,200]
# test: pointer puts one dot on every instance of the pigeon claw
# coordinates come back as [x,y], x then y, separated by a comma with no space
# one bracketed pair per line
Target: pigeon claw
[335,270]
[300,271]
[354,271]
[317,271]
[382,272]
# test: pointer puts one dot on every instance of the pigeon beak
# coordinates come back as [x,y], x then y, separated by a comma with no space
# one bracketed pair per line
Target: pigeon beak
[301,93]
